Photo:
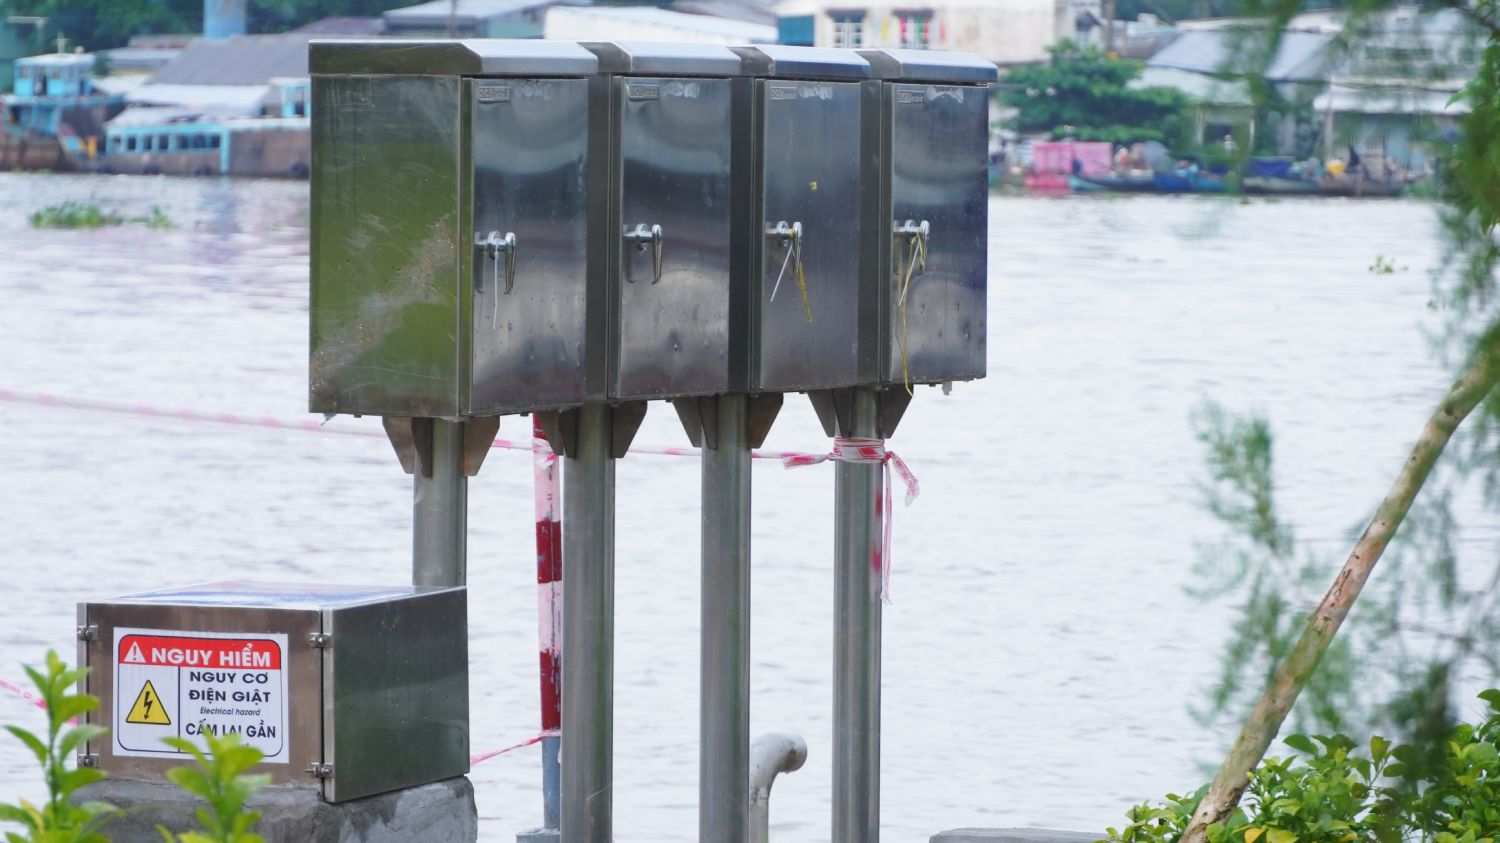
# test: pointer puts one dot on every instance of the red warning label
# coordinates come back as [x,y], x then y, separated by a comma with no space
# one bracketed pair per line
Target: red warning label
[211,653]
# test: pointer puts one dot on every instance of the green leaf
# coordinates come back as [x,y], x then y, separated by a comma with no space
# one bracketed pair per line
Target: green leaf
[1278,835]
[1378,748]
[32,742]
[1301,743]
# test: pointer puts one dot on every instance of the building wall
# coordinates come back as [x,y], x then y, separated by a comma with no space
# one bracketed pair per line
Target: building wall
[1004,31]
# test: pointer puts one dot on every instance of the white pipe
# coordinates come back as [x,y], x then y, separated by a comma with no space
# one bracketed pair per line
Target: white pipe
[770,755]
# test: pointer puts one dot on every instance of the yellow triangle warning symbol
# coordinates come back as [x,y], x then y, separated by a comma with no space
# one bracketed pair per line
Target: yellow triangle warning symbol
[148,709]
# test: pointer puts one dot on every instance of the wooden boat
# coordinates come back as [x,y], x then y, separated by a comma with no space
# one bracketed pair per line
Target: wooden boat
[1118,184]
[1273,186]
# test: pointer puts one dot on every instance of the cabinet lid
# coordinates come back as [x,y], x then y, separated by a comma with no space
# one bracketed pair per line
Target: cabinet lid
[929,66]
[465,57]
[637,58]
[783,62]
[262,595]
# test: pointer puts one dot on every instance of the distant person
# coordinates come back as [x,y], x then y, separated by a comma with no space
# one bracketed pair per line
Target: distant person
[1122,159]
[1229,145]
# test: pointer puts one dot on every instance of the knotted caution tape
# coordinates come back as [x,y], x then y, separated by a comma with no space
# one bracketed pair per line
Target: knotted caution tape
[864,451]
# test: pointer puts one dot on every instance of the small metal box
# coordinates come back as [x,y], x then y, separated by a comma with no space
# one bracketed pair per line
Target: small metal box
[450,240]
[351,690]
[668,113]
[931,236]
[803,273]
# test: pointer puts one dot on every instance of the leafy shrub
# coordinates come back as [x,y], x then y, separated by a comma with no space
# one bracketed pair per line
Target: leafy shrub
[75,214]
[58,820]
[1335,791]
[219,777]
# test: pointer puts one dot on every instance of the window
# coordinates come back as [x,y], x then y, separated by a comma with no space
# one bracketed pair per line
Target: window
[797,31]
[916,29]
[848,29]
[115,143]
[163,143]
[213,141]
[130,143]
[197,142]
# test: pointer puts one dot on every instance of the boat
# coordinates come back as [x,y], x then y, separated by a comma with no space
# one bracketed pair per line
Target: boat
[250,138]
[1189,181]
[54,115]
[1120,183]
[1277,186]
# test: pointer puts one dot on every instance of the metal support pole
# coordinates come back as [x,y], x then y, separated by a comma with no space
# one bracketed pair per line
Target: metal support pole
[588,631]
[724,713]
[856,635]
[440,506]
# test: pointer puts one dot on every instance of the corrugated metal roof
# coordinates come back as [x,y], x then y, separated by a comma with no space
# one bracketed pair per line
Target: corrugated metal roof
[680,20]
[222,99]
[242,60]
[1302,56]
[436,12]
[344,26]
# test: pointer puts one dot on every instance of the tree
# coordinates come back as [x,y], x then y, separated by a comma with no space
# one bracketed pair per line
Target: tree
[1470,217]
[1087,95]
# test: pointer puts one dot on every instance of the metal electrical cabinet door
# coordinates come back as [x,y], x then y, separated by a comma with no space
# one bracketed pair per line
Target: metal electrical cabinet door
[806,300]
[939,220]
[672,276]
[529,274]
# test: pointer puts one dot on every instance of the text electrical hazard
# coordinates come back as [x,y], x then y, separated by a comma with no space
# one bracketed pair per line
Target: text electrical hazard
[171,684]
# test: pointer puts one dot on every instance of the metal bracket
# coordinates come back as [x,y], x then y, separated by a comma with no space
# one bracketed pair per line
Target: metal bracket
[479,437]
[88,633]
[834,407]
[320,640]
[412,440]
[624,421]
[700,418]
[89,760]
[319,770]
[561,428]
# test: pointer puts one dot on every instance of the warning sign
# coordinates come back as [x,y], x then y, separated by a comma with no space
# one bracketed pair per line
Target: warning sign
[148,709]
[186,684]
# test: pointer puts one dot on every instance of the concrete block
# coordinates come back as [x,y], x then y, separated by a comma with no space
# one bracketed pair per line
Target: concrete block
[539,835]
[1013,835]
[441,812]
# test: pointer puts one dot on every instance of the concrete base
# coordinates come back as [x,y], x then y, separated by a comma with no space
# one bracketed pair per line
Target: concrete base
[539,835]
[1013,835]
[441,812]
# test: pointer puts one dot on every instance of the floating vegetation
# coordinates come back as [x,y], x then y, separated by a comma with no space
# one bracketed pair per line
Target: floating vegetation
[75,214]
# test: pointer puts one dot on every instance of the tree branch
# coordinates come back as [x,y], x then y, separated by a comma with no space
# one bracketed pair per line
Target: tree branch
[1292,674]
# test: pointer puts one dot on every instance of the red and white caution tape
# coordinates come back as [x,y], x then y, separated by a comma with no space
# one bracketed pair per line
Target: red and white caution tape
[485,756]
[23,694]
[858,450]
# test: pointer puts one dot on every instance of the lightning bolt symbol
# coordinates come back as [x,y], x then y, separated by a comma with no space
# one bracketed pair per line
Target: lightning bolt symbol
[148,703]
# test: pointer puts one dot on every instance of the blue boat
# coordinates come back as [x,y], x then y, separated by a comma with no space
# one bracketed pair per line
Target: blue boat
[54,118]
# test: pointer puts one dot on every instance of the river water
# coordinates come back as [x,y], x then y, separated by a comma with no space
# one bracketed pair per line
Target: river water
[1041,656]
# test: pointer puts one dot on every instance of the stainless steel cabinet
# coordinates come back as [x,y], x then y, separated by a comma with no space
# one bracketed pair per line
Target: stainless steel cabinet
[450,187]
[674,205]
[671,128]
[934,200]
[804,293]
